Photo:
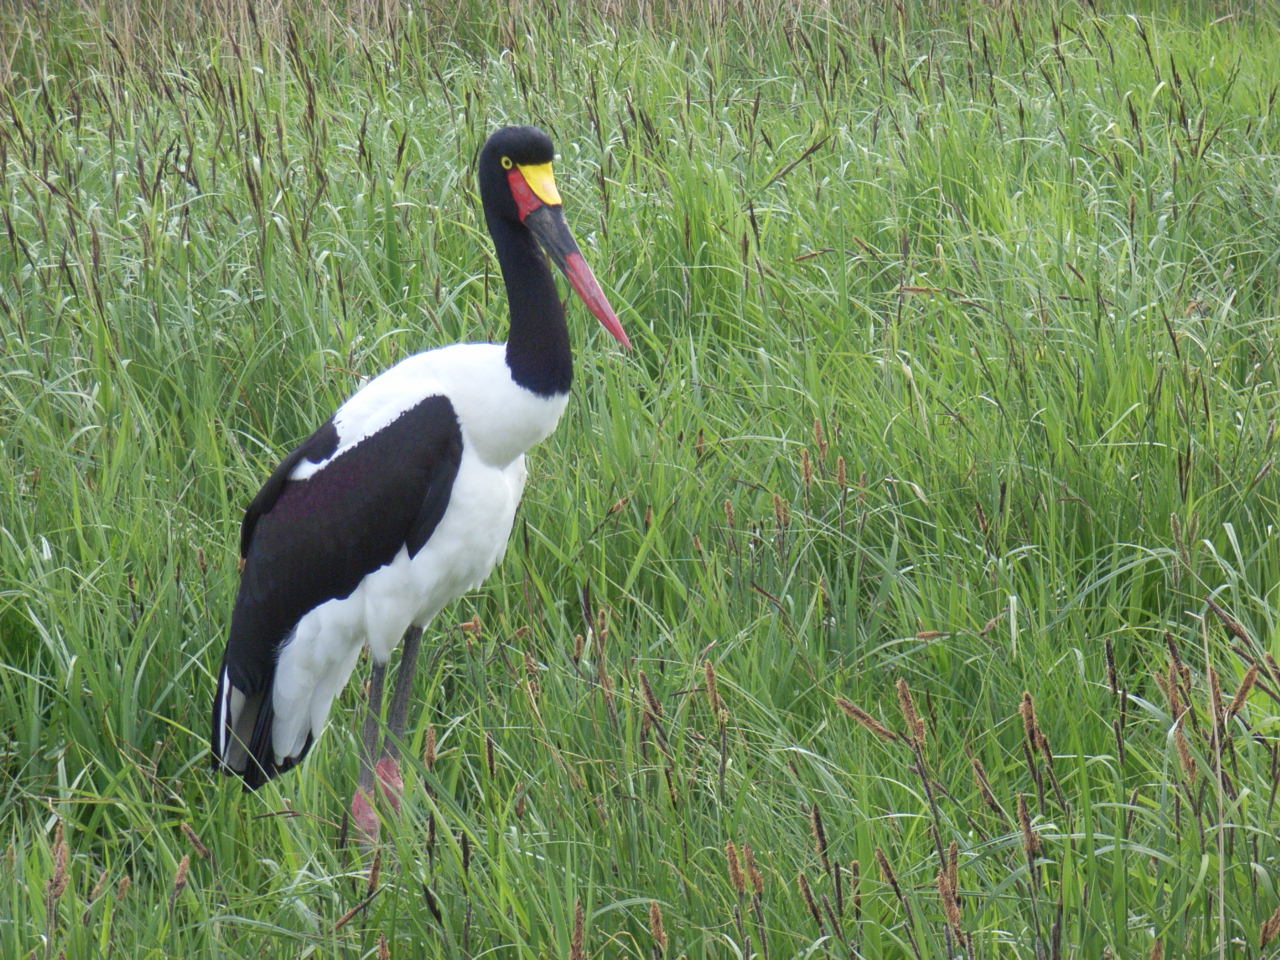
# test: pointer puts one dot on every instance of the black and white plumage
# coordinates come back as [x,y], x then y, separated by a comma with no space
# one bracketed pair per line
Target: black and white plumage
[402,501]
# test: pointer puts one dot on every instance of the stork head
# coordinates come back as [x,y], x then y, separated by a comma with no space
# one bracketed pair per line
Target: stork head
[517,185]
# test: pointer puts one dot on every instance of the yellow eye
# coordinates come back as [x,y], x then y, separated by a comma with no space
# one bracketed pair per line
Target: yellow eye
[506,163]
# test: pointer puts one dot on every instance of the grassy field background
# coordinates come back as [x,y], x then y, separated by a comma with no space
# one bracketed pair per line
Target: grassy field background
[908,592]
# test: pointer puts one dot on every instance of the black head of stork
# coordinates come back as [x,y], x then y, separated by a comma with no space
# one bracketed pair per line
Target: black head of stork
[523,211]
[401,502]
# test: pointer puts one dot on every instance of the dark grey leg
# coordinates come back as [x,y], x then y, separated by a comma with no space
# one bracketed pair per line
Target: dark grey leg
[399,711]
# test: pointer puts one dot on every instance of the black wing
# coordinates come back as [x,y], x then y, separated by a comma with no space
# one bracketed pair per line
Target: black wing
[304,542]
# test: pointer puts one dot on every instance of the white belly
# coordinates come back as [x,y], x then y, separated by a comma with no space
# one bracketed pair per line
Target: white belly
[466,545]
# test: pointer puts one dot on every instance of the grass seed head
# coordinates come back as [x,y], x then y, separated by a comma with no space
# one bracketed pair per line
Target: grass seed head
[1157,950]
[1270,929]
[753,871]
[656,927]
[429,748]
[855,712]
[984,788]
[1031,844]
[180,879]
[201,850]
[735,868]
[650,698]
[375,874]
[807,893]
[915,726]
[728,513]
[1242,695]
[122,888]
[384,948]
[576,950]
[713,689]
[819,836]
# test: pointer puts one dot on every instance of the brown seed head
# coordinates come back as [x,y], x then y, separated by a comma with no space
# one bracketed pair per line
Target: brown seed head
[713,689]
[841,473]
[806,468]
[1157,950]
[809,902]
[915,726]
[1030,726]
[1246,685]
[950,905]
[429,749]
[855,712]
[650,698]
[180,879]
[375,874]
[122,889]
[576,951]
[656,928]
[753,871]
[781,511]
[984,788]
[1270,929]
[1031,844]
[201,850]
[384,948]
[728,513]
[819,836]
[1184,749]
[819,439]
[735,868]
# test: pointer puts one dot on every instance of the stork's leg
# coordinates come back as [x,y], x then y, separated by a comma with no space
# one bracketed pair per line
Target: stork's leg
[362,812]
[389,766]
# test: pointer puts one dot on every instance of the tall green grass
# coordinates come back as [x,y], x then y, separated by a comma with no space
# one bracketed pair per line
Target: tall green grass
[955,392]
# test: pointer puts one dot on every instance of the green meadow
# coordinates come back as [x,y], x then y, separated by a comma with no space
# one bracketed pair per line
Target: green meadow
[908,592]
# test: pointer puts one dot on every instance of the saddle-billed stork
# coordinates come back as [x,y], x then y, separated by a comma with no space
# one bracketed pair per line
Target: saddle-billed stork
[401,502]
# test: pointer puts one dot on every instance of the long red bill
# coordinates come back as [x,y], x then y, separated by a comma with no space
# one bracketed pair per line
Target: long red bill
[547,224]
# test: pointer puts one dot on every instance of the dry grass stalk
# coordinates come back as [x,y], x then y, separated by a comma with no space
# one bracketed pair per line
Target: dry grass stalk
[812,904]
[1270,929]
[735,868]
[855,712]
[1246,686]
[180,879]
[201,850]
[656,928]
[576,950]
[915,726]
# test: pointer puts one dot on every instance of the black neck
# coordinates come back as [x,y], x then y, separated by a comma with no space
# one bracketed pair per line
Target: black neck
[538,352]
